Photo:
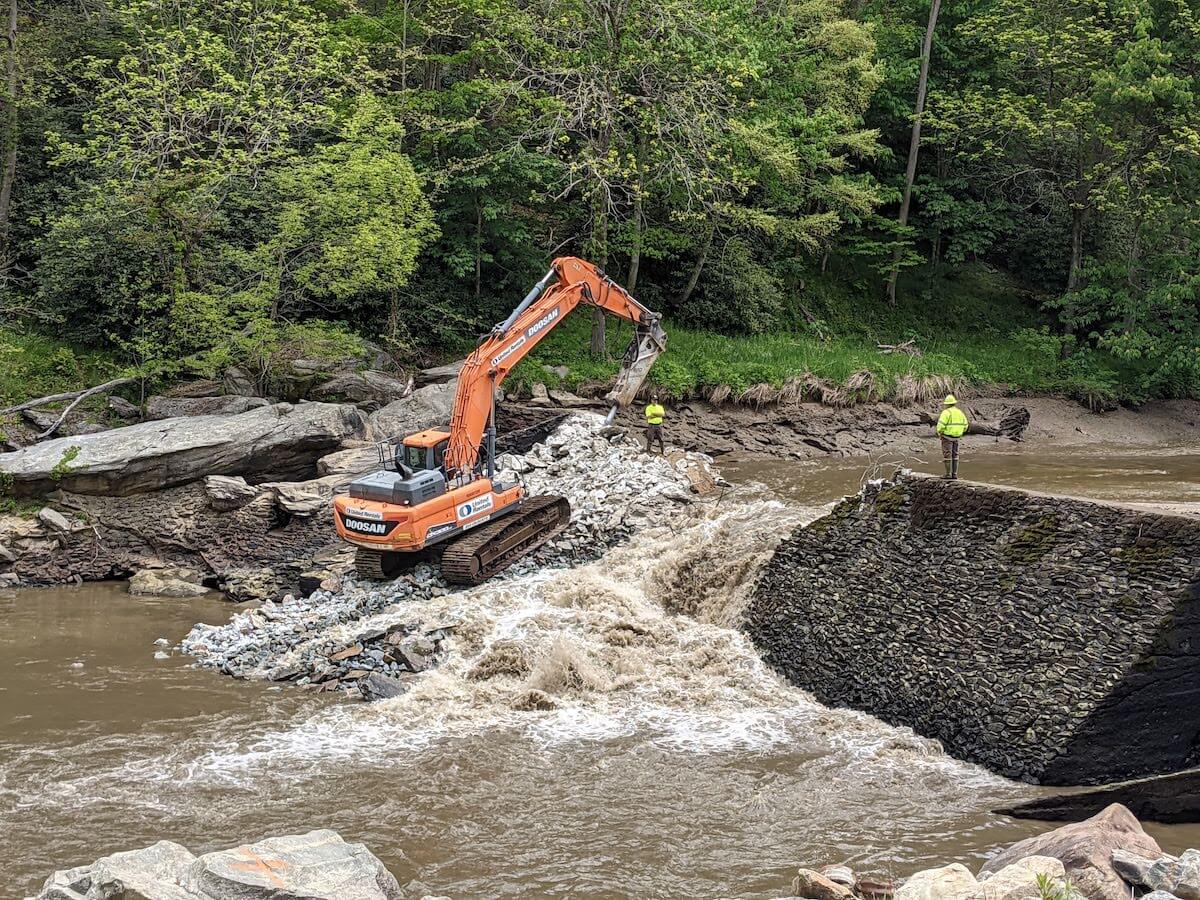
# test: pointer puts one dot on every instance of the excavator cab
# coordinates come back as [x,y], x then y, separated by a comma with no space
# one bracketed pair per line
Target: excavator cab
[423,451]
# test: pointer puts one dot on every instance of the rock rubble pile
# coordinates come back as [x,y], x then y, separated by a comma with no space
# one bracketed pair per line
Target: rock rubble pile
[338,637]
[1102,858]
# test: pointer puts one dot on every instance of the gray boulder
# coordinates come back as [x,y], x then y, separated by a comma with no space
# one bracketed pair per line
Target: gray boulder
[123,408]
[319,865]
[1131,867]
[539,396]
[368,388]
[180,407]
[154,873]
[439,374]
[353,461]
[377,686]
[1176,875]
[1020,881]
[241,585]
[427,407]
[54,520]
[227,492]
[238,381]
[1085,850]
[284,441]
[952,882]
[178,582]
[306,498]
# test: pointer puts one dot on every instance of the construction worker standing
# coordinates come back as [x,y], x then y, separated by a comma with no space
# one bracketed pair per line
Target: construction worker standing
[951,425]
[654,423]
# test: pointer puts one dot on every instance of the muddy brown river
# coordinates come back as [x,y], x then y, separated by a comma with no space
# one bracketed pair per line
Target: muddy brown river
[698,775]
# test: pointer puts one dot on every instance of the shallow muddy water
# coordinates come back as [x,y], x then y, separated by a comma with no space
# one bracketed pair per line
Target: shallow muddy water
[674,766]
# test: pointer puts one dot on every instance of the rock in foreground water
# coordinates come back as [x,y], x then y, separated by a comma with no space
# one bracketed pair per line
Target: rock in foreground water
[319,865]
[1085,849]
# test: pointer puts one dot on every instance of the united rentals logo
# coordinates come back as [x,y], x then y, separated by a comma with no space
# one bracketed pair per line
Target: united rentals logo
[474,507]
[508,351]
[358,526]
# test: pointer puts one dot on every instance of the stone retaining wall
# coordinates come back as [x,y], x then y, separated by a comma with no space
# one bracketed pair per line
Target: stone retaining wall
[1049,638]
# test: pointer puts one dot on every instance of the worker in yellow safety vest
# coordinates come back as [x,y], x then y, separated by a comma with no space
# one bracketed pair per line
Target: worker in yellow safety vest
[951,425]
[654,423]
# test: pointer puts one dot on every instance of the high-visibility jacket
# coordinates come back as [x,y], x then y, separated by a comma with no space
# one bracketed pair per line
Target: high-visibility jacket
[654,414]
[952,423]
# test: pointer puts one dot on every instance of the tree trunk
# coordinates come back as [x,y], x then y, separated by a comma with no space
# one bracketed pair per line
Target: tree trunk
[695,276]
[10,132]
[1077,213]
[914,142]
[478,247]
[599,346]
[635,253]
[1131,279]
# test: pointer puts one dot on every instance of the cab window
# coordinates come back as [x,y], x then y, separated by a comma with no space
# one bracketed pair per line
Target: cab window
[414,457]
[439,453]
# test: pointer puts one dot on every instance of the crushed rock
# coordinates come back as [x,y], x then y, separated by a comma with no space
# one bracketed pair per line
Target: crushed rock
[328,638]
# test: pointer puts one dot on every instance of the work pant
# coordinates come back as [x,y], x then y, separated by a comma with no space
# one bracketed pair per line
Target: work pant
[949,447]
[654,433]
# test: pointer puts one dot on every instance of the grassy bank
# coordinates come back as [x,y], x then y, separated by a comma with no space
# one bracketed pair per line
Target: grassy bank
[975,328]
[34,365]
[978,330]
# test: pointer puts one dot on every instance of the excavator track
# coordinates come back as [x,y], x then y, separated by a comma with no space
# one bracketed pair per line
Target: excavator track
[383,565]
[478,555]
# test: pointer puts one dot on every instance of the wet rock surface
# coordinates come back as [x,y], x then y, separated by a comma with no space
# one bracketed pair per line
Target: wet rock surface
[1045,637]
[177,582]
[335,639]
[319,865]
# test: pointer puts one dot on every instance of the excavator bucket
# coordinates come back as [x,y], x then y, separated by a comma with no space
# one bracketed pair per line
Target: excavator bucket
[647,345]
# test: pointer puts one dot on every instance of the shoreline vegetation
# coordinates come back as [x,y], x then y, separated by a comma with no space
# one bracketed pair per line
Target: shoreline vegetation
[991,342]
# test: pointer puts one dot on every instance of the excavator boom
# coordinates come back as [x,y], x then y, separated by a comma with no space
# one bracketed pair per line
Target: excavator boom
[569,282]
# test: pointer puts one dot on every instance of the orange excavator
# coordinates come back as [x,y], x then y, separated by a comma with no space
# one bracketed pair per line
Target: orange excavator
[443,497]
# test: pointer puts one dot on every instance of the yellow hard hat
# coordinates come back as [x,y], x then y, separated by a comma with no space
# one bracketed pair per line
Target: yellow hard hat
[950,400]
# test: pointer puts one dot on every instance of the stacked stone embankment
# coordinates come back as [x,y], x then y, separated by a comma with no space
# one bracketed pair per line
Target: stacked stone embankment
[1049,638]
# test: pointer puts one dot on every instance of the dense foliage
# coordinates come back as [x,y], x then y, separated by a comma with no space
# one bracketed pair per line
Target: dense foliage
[185,183]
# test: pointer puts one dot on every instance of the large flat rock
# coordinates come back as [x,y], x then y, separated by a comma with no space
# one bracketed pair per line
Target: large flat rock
[319,865]
[276,442]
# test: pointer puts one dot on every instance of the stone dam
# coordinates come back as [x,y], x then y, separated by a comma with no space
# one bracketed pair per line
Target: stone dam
[1051,639]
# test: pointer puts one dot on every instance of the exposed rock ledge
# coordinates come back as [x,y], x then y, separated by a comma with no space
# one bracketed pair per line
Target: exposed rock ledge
[1049,638]
[277,442]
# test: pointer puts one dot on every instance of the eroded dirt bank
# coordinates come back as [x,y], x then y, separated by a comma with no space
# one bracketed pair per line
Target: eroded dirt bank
[811,430]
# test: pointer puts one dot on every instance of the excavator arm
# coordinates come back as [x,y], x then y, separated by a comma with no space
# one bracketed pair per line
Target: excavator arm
[569,282]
